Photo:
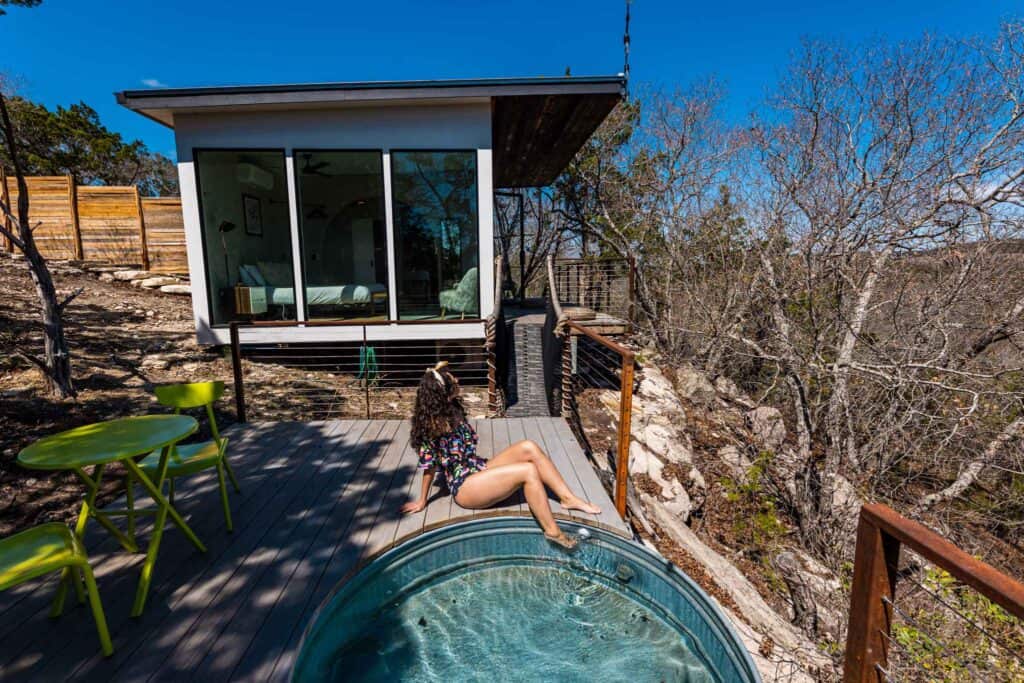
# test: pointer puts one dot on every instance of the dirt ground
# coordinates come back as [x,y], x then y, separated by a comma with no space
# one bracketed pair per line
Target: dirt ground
[124,340]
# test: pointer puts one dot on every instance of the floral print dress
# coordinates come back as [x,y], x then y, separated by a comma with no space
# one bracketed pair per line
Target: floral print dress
[454,455]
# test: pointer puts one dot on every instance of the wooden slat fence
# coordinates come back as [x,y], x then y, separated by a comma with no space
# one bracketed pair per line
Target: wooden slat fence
[50,209]
[165,235]
[112,224]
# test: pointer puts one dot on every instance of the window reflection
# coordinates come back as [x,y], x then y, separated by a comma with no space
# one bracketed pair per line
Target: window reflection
[437,252]
[341,228]
[243,199]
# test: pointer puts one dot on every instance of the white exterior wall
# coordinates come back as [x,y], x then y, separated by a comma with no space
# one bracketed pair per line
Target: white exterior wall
[464,126]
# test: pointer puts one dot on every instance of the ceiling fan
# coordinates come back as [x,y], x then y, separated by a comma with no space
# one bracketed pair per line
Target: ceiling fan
[309,168]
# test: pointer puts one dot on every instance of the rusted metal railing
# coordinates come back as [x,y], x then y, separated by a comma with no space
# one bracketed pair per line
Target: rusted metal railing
[881,534]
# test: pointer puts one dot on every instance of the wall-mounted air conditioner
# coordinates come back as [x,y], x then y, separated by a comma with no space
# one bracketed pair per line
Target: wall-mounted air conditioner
[251,174]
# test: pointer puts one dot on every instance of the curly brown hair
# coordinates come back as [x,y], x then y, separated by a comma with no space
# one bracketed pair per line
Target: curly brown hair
[438,407]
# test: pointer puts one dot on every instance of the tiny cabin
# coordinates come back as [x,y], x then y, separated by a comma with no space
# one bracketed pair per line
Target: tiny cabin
[335,203]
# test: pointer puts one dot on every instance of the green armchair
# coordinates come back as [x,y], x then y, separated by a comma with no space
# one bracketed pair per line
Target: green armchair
[464,297]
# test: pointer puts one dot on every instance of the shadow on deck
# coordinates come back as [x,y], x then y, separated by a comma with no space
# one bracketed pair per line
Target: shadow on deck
[317,499]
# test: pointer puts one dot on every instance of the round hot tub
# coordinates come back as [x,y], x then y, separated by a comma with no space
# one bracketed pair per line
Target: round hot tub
[492,599]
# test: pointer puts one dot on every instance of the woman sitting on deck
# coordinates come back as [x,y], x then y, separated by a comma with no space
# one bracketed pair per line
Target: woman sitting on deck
[447,443]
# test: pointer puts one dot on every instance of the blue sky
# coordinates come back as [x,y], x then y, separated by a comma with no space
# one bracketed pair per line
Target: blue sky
[66,50]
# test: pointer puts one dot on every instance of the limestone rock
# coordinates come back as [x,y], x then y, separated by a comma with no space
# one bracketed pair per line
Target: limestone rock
[738,463]
[159,281]
[176,289]
[106,277]
[694,385]
[129,275]
[655,386]
[768,427]
[665,442]
[727,388]
[754,610]
[155,363]
[679,504]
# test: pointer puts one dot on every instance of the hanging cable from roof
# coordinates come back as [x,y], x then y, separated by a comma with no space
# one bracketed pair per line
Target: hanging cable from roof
[625,49]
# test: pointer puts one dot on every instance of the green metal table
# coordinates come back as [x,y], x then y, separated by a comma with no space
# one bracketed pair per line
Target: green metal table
[122,440]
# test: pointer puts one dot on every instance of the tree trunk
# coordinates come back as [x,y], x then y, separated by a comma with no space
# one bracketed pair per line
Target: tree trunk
[839,403]
[970,473]
[56,361]
[805,611]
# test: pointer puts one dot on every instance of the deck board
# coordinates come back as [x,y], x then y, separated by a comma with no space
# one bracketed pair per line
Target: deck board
[316,500]
[117,575]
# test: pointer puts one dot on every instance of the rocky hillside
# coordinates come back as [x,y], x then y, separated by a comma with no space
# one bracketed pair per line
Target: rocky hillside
[701,495]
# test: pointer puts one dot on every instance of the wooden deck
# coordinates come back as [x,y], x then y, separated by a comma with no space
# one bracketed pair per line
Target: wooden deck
[316,500]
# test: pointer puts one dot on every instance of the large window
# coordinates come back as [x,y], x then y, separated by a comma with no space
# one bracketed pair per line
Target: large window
[434,200]
[243,200]
[342,232]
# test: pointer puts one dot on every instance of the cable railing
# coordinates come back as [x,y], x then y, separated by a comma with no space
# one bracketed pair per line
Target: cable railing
[602,284]
[597,400]
[363,377]
[941,615]
[595,372]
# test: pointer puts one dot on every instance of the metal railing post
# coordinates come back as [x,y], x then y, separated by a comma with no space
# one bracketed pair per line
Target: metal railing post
[625,433]
[366,375]
[236,368]
[881,533]
[874,578]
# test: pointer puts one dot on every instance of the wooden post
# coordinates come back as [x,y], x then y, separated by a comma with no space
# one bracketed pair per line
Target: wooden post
[490,345]
[567,373]
[632,289]
[236,368]
[874,578]
[6,195]
[491,342]
[143,246]
[76,228]
[625,432]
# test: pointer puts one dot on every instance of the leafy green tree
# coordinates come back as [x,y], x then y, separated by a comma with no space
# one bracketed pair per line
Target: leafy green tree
[72,140]
[17,3]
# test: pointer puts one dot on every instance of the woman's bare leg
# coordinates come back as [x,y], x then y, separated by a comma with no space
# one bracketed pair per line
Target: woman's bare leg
[529,451]
[494,484]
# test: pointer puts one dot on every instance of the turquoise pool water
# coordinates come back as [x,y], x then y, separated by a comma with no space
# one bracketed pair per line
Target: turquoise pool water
[491,600]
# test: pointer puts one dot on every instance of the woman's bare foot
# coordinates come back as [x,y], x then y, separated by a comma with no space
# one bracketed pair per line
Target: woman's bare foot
[561,539]
[581,505]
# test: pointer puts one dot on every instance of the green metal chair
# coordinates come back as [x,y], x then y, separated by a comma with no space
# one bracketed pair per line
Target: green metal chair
[47,548]
[186,459]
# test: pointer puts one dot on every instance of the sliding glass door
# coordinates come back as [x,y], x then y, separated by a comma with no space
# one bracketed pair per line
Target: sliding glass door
[342,233]
[243,201]
[434,201]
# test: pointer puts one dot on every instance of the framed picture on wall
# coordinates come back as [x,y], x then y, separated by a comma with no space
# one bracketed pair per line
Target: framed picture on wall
[253,211]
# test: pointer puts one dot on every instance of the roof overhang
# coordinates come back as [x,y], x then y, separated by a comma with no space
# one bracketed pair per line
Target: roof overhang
[538,124]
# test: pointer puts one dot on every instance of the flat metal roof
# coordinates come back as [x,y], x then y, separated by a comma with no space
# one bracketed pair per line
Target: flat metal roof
[478,86]
[538,124]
